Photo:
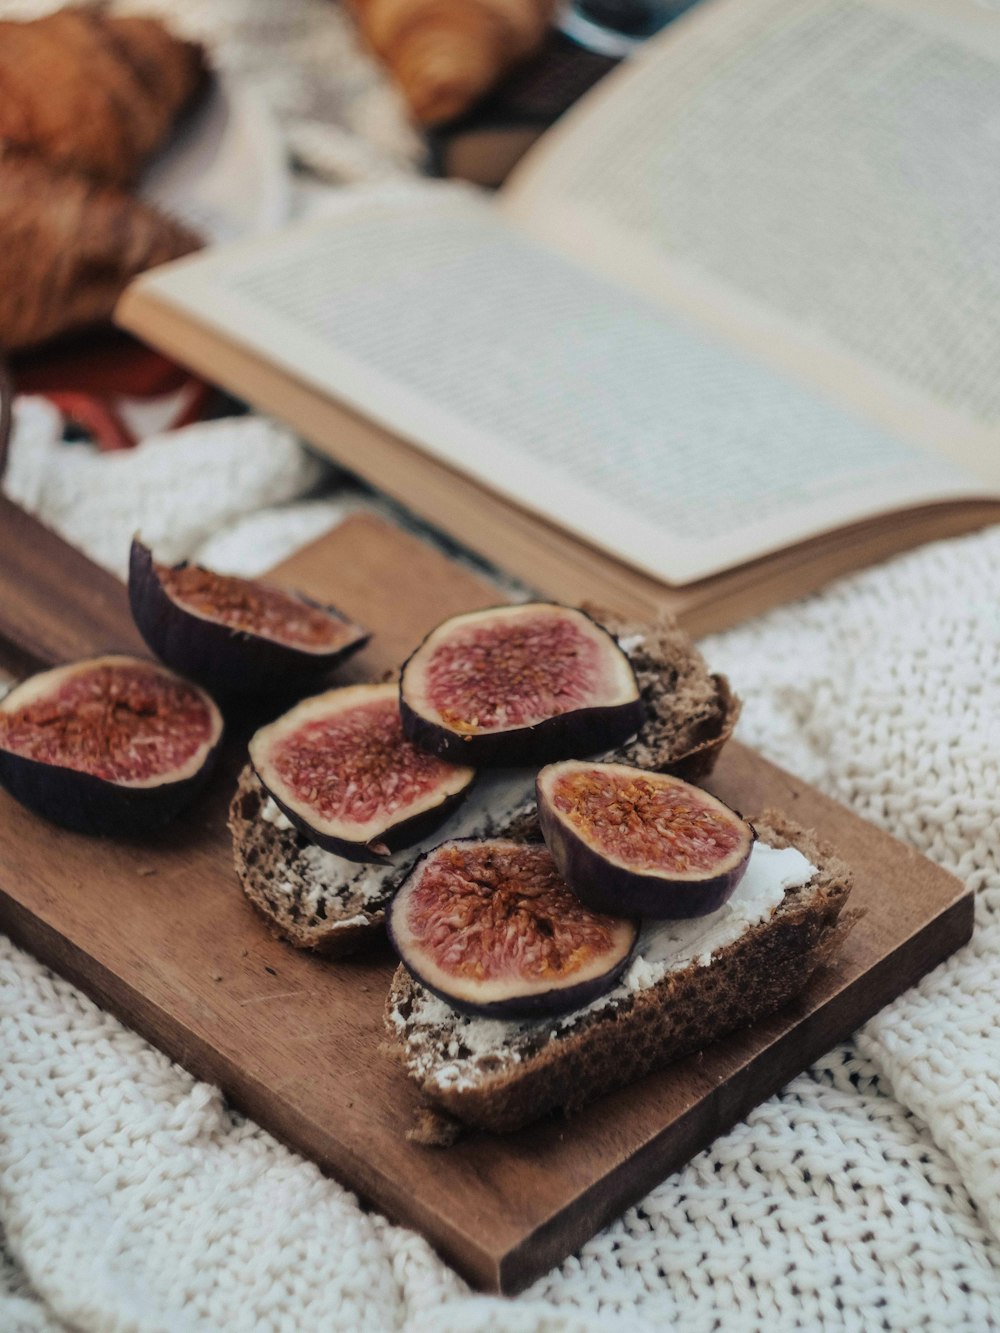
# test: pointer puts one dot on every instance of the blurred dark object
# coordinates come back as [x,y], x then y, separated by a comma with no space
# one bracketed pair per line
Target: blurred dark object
[444,54]
[113,389]
[6,414]
[485,145]
[589,39]
[616,27]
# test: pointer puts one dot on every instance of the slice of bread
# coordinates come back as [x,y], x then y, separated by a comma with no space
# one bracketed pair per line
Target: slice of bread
[309,897]
[690,712]
[499,1077]
[319,901]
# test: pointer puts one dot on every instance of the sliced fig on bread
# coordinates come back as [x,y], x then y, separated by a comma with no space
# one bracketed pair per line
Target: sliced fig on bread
[312,899]
[341,770]
[519,685]
[638,843]
[490,927]
[499,1077]
[313,902]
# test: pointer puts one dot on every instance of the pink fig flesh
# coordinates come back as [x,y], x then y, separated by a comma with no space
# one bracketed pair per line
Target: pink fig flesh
[519,685]
[236,635]
[107,745]
[490,927]
[631,841]
[341,769]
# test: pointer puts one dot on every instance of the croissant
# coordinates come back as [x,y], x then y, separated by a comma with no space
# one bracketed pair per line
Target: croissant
[93,93]
[68,248]
[444,54]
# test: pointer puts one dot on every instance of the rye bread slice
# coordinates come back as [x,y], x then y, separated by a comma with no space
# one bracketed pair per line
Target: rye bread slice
[690,712]
[309,897]
[318,901]
[544,1067]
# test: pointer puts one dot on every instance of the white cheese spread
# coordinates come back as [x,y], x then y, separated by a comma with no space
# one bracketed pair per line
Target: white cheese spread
[271,813]
[324,875]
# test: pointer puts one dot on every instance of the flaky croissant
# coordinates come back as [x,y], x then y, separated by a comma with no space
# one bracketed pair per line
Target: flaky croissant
[93,93]
[444,54]
[68,248]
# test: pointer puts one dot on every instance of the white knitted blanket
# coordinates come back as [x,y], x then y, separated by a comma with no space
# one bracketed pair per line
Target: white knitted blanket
[865,1196]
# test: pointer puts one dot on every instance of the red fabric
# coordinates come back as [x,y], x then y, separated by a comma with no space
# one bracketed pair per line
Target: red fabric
[87,375]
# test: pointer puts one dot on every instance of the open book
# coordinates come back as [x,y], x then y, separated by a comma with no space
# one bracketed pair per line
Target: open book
[730,329]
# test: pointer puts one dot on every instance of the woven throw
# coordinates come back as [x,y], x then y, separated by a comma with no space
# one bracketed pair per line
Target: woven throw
[865,1196]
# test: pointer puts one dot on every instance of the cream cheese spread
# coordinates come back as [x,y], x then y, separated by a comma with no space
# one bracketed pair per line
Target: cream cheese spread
[494,800]
[271,813]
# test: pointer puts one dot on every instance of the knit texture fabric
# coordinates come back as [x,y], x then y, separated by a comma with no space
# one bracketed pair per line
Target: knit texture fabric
[865,1196]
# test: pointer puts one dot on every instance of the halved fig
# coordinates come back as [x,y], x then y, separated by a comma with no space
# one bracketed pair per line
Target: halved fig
[492,929]
[237,636]
[519,685]
[341,769]
[107,745]
[628,841]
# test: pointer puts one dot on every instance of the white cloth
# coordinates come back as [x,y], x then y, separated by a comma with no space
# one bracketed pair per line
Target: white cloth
[866,1195]
[178,489]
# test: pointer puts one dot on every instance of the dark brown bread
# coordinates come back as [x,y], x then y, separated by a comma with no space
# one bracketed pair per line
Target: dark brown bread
[278,873]
[685,1011]
[690,715]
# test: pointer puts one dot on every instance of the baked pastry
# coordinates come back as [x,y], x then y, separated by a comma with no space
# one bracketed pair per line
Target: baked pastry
[92,93]
[68,247]
[444,54]
[317,900]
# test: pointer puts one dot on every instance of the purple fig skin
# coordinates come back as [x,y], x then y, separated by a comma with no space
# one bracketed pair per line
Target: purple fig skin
[89,804]
[393,839]
[228,662]
[567,736]
[559,1000]
[547,1004]
[606,886]
[576,734]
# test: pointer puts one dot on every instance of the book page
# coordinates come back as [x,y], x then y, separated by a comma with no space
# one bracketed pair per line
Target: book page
[816,179]
[573,397]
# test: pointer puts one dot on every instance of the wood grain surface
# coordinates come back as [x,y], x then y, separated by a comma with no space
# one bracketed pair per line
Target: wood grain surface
[158,932]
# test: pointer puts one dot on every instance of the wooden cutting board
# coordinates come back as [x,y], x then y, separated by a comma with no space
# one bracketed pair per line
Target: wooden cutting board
[158,932]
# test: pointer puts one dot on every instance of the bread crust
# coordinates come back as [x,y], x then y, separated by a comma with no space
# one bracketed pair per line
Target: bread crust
[746,981]
[690,712]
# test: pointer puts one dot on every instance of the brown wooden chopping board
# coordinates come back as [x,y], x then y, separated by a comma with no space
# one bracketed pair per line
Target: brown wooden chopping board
[158,932]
